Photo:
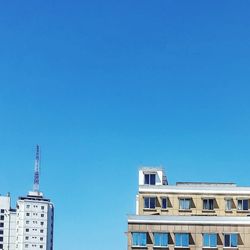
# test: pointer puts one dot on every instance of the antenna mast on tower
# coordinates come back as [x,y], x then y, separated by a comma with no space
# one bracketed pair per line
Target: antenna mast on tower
[37,170]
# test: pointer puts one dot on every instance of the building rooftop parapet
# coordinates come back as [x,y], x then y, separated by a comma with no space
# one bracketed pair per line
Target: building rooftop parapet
[34,196]
[151,169]
[196,189]
[207,184]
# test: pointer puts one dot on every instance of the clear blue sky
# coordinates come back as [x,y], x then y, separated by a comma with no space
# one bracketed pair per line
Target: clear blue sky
[106,86]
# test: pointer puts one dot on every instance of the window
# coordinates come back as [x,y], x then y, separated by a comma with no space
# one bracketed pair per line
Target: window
[228,204]
[164,203]
[149,179]
[2,211]
[27,206]
[1,239]
[139,239]
[208,204]
[42,215]
[209,240]
[41,246]
[1,246]
[27,230]
[1,224]
[27,214]
[243,205]
[1,231]
[2,217]
[42,207]
[26,245]
[160,239]
[181,239]
[41,230]
[41,238]
[185,203]
[26,237]
[42,223]
[27,222]
[149,202]
[231,240]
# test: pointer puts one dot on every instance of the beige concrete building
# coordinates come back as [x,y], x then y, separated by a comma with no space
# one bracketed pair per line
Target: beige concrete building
[194,215]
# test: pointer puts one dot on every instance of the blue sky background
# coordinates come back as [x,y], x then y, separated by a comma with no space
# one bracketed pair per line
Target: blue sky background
[107,86]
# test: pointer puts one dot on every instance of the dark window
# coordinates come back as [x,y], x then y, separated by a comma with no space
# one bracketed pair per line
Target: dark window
[230,240]
[1,239]
[149,179]
[208,204]
[242,204]
[1,246]
[2,217]
[1,231]
[149,202]
[2,211]
[1,224]
[164,204]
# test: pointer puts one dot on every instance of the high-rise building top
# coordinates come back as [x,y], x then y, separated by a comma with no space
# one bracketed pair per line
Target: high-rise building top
[30,225]
[188,215]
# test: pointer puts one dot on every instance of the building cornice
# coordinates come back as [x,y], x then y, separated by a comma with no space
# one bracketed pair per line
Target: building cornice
[188,220]
[213,190]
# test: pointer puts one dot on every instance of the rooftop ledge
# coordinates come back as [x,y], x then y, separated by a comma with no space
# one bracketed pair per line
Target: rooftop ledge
[192,220]
[196,189]
[207,184]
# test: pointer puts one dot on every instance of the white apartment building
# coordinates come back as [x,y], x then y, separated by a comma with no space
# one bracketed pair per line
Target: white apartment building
[30,225]
[7,224]
[34,219]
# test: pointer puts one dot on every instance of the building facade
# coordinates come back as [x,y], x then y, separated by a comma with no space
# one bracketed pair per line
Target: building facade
[34,222]
[188,215]
[7,224]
